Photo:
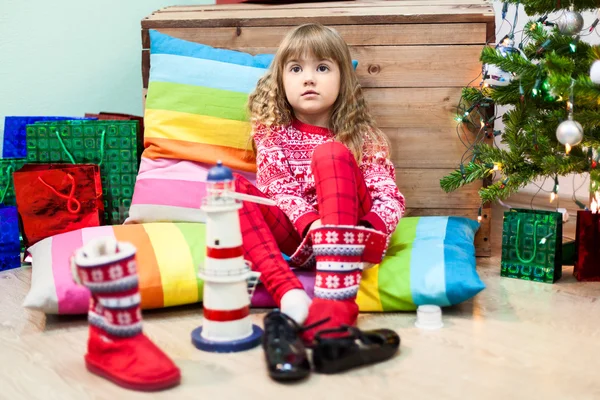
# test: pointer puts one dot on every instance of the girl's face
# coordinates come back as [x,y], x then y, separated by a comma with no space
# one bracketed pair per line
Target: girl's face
[311,87]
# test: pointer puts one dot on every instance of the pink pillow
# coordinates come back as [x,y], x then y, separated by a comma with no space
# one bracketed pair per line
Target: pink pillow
[169,190]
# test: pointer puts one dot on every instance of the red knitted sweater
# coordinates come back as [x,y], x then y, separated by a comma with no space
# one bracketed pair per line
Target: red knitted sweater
[284,175]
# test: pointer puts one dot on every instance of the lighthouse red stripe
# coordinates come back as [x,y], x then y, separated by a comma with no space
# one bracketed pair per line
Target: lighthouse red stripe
[226,315]
[230,252]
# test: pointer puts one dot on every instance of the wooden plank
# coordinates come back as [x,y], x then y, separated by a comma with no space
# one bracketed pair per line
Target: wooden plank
[354,35]
[483,245]
[328,16]
[312,5]
[434,147]
[417,66]
[421,187]
[414,107]
[403,66]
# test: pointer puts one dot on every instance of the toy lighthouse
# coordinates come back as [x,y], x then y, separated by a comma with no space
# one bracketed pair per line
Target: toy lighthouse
[227,326]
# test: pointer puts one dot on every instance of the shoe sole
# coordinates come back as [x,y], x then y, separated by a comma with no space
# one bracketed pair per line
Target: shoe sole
[287,377]
[143,387]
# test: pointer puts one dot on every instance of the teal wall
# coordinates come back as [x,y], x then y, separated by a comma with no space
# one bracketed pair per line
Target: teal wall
[72,56]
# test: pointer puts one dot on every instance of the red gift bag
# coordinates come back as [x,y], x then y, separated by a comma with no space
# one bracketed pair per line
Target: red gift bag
[57,198]
[587,237]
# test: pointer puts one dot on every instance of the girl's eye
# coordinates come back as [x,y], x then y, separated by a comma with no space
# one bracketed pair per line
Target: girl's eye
[322,68]
[295,68]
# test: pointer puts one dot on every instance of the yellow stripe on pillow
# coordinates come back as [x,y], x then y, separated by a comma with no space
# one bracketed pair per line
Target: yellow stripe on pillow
[193,128]
[175,263]
[368,295]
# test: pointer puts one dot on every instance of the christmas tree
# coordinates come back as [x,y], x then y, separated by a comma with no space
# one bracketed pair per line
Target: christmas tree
[548,76]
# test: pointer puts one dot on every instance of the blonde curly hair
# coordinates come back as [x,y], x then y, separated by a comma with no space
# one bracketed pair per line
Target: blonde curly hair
[351,121]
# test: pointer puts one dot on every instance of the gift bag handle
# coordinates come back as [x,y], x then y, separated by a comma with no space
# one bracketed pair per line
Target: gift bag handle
[524,261]
[70,198]
[9,169]
[62,144]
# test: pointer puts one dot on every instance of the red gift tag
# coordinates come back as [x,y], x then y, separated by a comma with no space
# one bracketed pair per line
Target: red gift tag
[57,198]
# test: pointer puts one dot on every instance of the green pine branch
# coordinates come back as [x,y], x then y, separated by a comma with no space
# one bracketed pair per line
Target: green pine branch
[513,62]
[472,172]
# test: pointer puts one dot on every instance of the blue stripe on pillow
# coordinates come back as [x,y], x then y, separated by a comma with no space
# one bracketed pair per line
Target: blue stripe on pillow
[206,73]
[161,43]
[462,280]
[165,44]
[427,264]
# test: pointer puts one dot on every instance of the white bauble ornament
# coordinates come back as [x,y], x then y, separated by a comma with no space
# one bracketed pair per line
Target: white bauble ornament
[595,72]
[570,23]
[569,132]
[495,77]
[492,74]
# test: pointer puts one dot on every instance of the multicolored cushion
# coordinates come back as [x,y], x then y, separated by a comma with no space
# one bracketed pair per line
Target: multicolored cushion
[431,260]
[196,102]
[169,190]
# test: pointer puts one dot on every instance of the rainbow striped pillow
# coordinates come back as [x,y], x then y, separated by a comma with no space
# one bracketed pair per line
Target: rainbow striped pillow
[196,102]
[431,260]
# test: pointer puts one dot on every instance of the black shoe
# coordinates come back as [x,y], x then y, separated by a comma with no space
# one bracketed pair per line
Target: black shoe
[355,348]
[284,351]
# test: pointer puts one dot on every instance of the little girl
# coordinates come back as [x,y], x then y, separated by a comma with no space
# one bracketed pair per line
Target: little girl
[321,158]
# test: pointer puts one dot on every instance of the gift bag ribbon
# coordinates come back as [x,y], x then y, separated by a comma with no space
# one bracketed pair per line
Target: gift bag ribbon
[71,200]
[527,261]
[62,144]
[5,191]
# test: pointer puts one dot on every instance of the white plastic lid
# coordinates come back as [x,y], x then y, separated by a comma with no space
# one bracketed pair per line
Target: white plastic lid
[429,317]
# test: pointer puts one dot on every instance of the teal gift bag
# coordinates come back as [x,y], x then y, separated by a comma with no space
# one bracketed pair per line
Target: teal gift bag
[532,245]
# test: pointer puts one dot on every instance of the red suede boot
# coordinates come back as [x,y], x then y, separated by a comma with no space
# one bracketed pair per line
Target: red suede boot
[117,348]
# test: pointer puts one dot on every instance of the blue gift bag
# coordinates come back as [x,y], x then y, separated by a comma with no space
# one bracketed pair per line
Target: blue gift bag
[10,246]
[13,142]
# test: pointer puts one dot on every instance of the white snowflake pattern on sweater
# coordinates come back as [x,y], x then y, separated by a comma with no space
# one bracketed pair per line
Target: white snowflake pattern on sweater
[284,174]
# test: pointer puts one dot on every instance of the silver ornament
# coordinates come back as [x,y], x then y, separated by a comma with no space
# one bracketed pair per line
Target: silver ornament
[570,23]
[595,72]
[569,132]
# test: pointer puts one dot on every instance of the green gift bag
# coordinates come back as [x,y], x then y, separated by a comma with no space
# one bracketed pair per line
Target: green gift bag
[532,245]
[7,188]
[110,144]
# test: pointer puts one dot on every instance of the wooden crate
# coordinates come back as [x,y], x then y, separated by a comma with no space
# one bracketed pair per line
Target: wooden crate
[414,58]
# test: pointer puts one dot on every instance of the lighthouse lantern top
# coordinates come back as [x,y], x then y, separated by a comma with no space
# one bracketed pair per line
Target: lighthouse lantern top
[220,187]
[219,173]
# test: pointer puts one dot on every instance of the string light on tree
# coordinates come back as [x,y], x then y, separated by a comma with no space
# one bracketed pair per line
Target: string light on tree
[554,193]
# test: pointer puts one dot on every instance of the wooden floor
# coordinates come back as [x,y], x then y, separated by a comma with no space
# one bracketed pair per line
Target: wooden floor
[515,340]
